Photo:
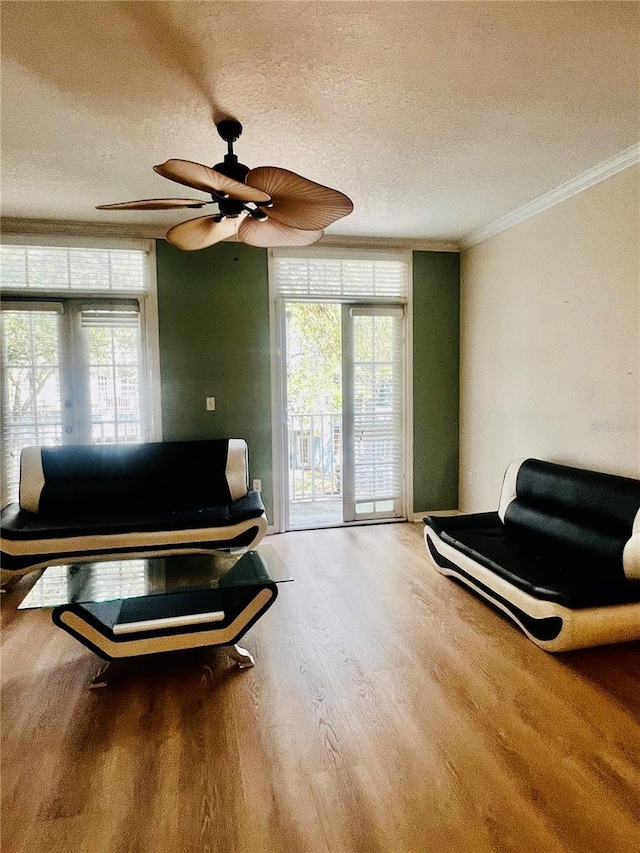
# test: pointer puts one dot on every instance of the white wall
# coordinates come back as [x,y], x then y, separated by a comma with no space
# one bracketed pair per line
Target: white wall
[550,341]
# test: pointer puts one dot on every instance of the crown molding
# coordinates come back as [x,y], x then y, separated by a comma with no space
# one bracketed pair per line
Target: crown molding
[606,169]
[330,241]
[46,227]
[407,243]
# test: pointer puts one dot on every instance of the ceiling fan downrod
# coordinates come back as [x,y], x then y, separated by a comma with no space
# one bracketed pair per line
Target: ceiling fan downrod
[230,130]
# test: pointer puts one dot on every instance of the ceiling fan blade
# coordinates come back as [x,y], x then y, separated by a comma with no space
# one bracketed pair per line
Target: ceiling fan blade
[298,202]
[209,180]
[268,233]
[201,232]
[154,204]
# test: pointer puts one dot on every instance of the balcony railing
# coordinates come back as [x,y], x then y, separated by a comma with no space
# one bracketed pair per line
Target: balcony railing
[315,457]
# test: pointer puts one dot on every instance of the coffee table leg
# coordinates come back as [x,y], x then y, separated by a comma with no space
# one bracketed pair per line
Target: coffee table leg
[242,657]
[101,678]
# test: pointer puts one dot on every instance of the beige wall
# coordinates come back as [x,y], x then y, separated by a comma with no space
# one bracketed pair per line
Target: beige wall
[550,341]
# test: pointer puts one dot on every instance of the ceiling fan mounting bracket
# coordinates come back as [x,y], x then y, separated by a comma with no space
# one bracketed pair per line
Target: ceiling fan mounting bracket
[229,129]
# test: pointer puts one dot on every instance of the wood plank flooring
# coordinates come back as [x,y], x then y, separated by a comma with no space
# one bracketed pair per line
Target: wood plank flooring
[389,711]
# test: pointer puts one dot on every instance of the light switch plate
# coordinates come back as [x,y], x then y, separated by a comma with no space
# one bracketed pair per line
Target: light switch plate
[211,404]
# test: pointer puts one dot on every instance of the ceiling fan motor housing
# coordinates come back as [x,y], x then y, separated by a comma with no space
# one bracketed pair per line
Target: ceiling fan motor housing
[230,206]
[232,169]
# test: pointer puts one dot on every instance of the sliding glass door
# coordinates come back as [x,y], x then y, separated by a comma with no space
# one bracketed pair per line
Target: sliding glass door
[344,431]
[341,337]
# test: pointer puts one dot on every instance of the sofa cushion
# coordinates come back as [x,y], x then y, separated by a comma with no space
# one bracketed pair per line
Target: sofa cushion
[116,479]
[573,580]
[20,525]
[608,501]
[572,513]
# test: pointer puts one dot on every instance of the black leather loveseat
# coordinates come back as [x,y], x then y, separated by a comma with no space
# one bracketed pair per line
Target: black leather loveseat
[100,502]
[561,556]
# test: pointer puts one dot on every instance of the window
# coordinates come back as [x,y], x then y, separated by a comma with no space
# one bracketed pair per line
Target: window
[79,345]
[55,268]
[340,276]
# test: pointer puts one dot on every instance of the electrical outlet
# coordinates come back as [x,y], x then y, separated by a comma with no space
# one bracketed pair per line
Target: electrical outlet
[257,485]
[211,404]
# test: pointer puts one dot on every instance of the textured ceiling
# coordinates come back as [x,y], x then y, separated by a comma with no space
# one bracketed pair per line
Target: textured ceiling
[436,118]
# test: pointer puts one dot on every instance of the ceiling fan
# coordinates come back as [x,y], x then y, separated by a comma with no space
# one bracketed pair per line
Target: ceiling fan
[265,207]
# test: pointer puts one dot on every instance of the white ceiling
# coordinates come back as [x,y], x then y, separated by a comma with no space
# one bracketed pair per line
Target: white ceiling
[436,118]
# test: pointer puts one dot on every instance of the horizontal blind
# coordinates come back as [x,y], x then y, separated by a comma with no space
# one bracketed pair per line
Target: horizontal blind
[32,305]
[340,279]
[55,268]
[117,317]
[112,360]
[378,406]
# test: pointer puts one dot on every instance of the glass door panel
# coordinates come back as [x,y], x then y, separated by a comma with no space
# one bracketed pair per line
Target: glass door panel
[314,422]
[112,348]
[373,412]
[344,424]
[32,411]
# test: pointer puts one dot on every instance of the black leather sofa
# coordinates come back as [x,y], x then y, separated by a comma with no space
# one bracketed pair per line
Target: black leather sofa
[100,502]
[561,556]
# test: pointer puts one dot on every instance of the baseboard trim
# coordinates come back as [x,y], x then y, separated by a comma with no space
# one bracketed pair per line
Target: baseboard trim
[419,516]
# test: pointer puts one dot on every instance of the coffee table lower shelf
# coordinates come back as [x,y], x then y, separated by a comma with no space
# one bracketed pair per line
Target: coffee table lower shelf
[163,623]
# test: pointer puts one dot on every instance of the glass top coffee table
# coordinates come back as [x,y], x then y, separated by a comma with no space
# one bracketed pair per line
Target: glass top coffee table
[125,608]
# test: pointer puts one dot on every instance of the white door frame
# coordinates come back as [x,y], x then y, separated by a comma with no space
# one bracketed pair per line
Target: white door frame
[277,348]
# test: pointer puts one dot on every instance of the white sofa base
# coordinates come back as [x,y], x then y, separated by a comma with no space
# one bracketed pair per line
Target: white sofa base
[119,546]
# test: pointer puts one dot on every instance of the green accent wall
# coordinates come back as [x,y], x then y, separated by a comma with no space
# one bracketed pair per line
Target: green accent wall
[213,310]
[214,341]
[436,384]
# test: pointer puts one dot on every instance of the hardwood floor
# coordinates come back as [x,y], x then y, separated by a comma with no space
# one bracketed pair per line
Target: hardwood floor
[389,711]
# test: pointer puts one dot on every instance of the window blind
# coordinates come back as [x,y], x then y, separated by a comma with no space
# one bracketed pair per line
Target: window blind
[341,279]
[55,268]
[375,360]
[118,316]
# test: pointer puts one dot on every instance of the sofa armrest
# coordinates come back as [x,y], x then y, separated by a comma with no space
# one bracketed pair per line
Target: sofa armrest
[451,523]
[249,506]
[631,558]
[13,520]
